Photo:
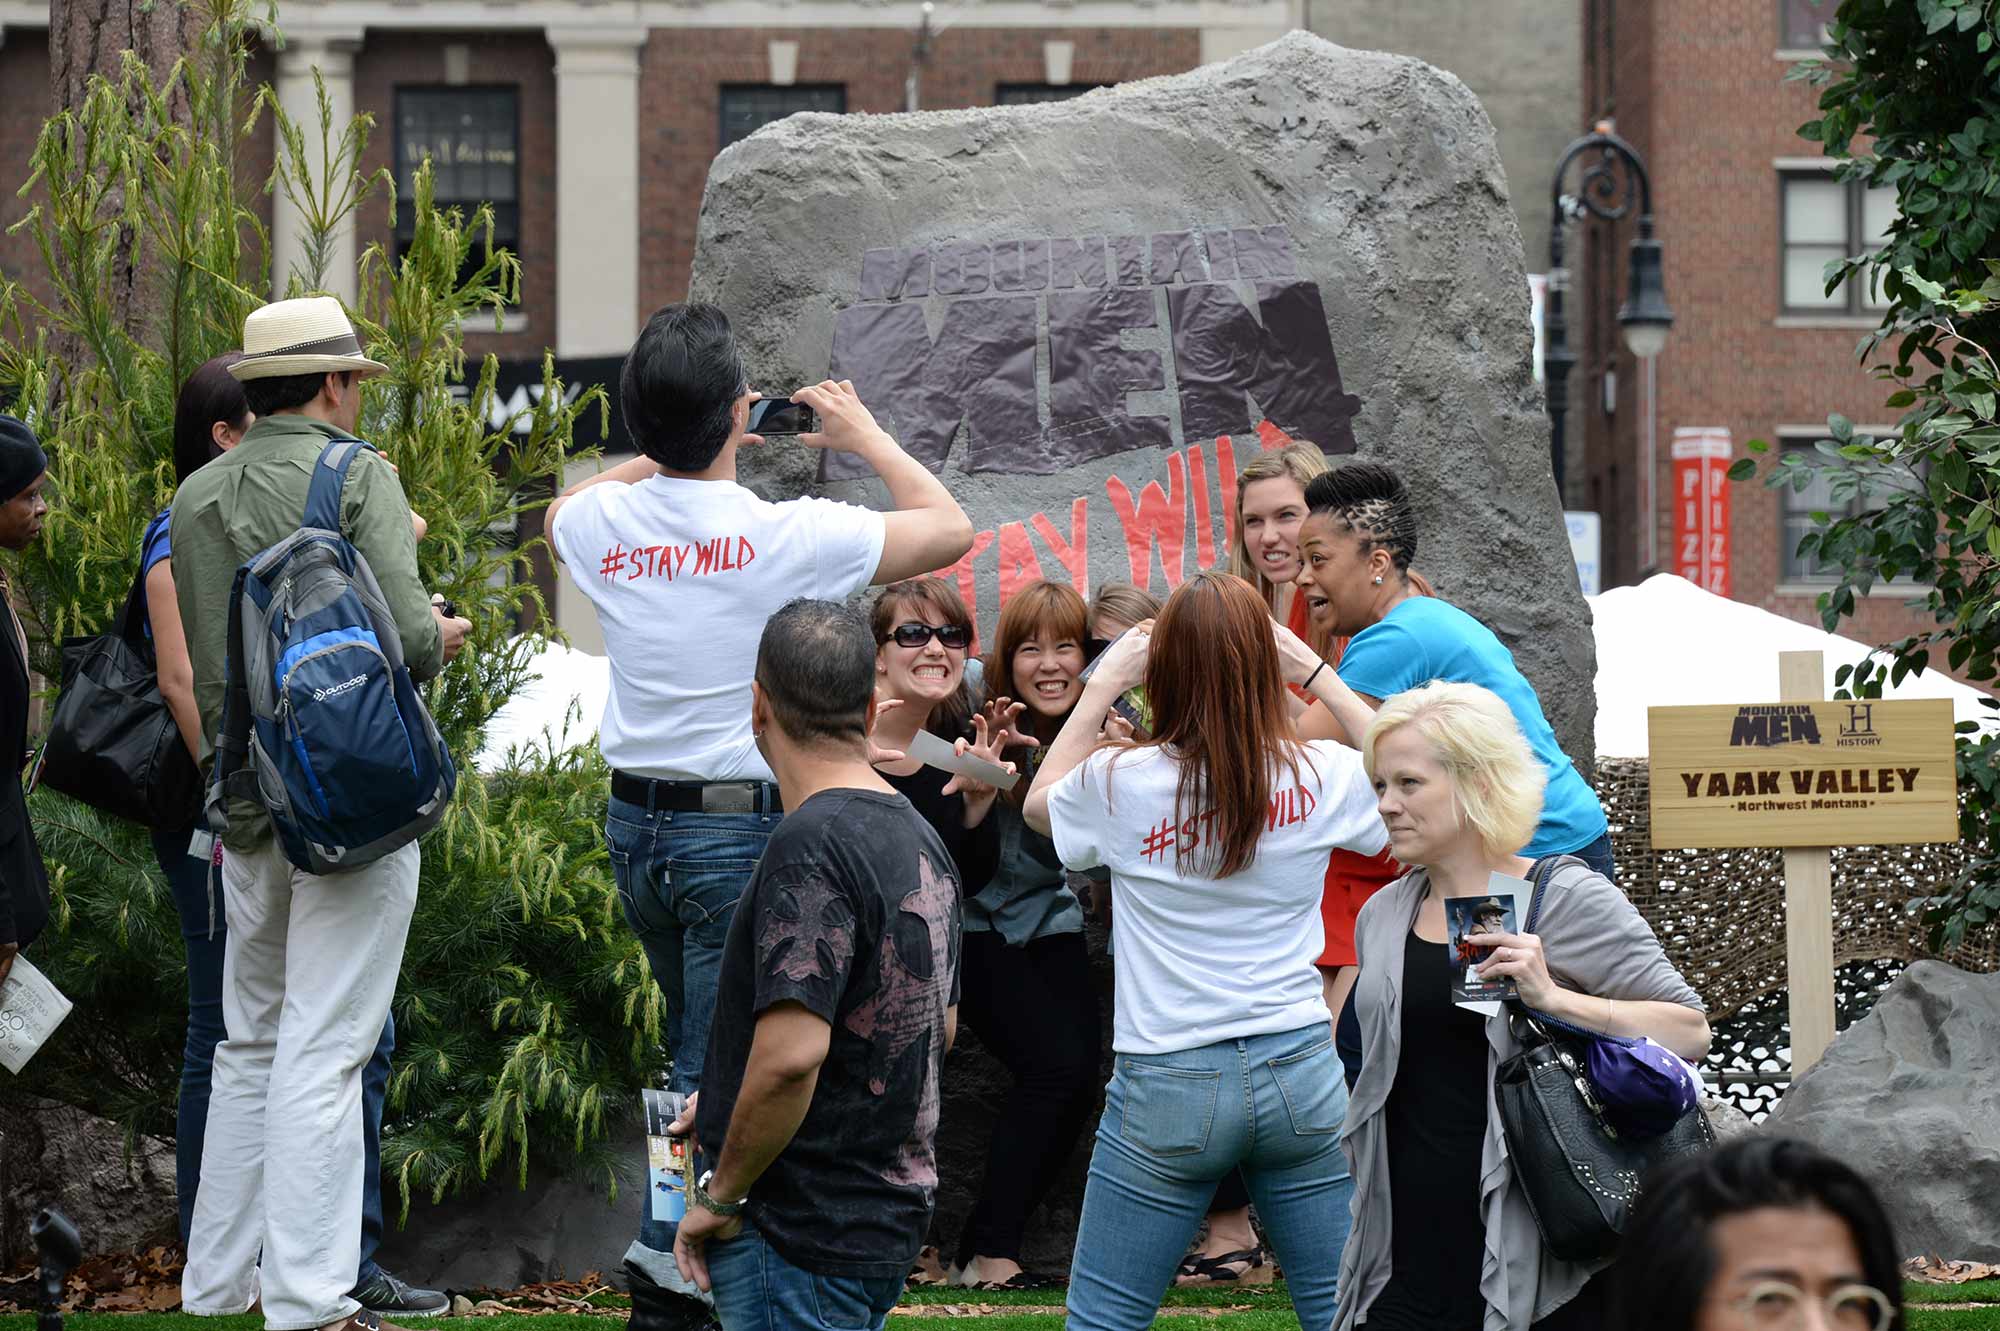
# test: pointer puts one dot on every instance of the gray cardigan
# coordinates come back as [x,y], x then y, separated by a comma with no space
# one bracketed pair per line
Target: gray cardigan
[1596,943]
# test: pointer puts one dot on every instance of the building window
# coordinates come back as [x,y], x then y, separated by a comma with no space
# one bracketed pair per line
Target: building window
[748,107]
[1027,94]
[1802,24]
[1796,507]
[472,137]
[1823,219]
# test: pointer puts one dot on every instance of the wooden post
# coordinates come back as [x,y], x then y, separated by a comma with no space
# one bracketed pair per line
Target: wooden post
[1808,899]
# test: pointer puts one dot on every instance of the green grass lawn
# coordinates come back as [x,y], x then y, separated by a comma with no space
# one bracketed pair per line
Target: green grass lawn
[1265,1308]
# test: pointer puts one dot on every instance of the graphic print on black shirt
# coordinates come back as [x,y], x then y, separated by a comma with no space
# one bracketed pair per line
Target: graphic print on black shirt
[853,914]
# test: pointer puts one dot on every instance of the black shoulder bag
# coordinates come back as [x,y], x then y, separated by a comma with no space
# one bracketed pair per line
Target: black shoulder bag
[113,743]
[1579,1174]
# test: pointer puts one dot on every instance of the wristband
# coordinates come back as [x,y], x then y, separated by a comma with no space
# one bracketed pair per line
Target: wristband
[1307,686]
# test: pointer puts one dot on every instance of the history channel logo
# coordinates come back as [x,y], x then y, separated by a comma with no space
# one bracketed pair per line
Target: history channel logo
[1858,730]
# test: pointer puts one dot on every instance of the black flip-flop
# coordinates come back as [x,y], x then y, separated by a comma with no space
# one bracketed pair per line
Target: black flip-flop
[1218,1270]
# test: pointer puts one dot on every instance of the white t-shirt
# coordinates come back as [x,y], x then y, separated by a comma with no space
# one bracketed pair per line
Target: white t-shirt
[1207,959]
[683,574]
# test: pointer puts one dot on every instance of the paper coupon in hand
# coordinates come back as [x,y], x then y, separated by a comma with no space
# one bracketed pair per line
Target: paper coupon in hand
[928,748]
[30,1010]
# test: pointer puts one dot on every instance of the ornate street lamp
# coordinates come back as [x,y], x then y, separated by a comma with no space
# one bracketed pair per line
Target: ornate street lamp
[1606,191]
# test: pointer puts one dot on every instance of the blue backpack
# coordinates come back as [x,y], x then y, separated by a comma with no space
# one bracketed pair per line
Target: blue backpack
[321,724]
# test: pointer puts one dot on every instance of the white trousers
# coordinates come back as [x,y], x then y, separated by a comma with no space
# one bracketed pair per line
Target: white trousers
[307,976]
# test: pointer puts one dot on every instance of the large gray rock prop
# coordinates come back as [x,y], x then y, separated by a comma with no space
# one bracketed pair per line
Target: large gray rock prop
[499,1236]
[1910,1096]
[120,1195]
[1092,275]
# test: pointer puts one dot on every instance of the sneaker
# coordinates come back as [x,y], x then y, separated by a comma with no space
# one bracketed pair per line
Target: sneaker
[383,1293]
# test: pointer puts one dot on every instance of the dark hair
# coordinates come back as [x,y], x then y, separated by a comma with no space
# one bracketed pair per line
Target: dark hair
[1371,501]
[816,665]
[286,392]
[679,385]
[210,394]
[1668,1258]
[951,717]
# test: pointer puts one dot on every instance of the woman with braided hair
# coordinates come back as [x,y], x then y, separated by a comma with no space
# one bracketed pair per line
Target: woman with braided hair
[1355,548]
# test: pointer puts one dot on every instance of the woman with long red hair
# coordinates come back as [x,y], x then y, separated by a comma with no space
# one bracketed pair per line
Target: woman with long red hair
[1264,552]
[1225,1054]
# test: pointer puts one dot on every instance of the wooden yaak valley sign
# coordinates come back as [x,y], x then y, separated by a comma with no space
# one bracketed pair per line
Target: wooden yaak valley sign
[1866,773]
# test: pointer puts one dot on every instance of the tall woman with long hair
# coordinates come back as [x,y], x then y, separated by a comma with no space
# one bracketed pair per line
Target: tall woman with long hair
[1224,1058]
[1024,972]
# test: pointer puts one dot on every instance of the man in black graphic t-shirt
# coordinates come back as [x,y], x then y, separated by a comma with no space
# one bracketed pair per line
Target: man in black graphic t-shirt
[817,1121]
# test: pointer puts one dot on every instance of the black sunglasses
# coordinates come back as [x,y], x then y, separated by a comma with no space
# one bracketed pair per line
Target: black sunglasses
[914,634]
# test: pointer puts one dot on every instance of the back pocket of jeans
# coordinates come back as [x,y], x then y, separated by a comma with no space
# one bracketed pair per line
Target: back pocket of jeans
[847,1302]
[1166,1111]
[1315,1091]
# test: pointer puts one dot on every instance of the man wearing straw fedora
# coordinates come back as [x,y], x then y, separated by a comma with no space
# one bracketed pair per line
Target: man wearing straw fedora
[311,962]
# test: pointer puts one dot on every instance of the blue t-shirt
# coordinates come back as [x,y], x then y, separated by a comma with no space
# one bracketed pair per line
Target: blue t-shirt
[155,545]
[1423,639]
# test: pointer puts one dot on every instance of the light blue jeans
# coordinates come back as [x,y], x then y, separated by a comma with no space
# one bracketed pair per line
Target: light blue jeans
[1174,1124]
[758,1290]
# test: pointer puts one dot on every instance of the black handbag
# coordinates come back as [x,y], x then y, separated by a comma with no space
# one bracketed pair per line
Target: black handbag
[113,743]
[1579,1174]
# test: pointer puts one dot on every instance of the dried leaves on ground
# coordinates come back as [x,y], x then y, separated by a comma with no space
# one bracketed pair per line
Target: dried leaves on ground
[1935,1270]
[150,1281]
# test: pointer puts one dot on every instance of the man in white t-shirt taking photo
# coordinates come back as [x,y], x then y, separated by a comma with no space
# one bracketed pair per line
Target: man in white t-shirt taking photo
[684,565]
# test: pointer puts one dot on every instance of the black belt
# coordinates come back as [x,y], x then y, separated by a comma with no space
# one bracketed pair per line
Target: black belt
[696,796]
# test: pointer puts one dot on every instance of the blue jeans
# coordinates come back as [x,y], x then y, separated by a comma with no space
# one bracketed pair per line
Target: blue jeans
[1173,1125]
[679,876]
[198,899]
[757,1290]
[1598,856]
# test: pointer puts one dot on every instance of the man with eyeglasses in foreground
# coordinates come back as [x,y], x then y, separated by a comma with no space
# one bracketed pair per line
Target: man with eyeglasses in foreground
[683,566]
[1764,1233]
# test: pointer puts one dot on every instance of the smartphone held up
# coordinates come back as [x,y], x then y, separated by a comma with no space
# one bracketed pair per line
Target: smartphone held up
[778,415]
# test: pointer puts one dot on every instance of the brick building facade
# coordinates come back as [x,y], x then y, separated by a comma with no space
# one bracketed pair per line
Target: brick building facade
[1747,213]
[531,90]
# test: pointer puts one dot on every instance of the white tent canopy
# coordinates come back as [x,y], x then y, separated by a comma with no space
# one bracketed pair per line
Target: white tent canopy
[1668,642]
[539,713]
[1665,641]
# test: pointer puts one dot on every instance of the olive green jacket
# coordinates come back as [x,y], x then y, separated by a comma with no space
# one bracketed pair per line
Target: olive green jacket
[248,500]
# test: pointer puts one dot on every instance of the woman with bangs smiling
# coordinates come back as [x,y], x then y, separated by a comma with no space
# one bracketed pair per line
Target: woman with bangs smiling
[1025,973]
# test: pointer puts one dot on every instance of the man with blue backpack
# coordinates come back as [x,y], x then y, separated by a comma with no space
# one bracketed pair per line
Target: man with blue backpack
[307,629]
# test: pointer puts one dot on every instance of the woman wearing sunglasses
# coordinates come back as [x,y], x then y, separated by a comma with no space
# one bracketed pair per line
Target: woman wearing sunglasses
[1761,1234]
[922,637]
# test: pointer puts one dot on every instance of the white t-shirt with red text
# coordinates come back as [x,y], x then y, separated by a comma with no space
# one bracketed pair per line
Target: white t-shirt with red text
[1201,959]
[683,575]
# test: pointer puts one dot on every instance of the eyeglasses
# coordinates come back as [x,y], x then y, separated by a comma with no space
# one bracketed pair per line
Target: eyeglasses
[952,636]
[1774,1305]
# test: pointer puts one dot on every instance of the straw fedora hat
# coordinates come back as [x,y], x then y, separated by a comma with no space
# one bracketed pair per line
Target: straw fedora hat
[306,336]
